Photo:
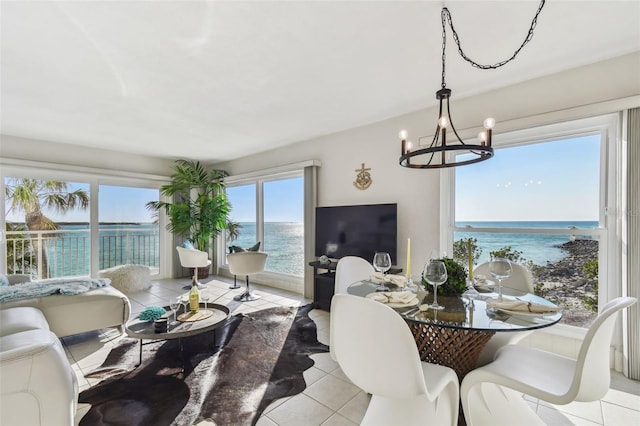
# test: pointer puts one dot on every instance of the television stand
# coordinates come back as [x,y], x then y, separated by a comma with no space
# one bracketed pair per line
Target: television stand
[324,282]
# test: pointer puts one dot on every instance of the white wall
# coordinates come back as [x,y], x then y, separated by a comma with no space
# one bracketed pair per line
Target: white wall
[417,191]
[12,147]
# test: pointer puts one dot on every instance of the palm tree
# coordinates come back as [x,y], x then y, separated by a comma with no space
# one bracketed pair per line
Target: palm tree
[31,196]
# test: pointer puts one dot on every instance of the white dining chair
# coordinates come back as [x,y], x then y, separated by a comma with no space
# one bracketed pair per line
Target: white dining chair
[492,395]
[521,279]
[376,351]
[349,270]
[192,258]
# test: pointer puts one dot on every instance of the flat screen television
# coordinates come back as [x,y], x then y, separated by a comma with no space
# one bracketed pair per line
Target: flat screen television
[357,231]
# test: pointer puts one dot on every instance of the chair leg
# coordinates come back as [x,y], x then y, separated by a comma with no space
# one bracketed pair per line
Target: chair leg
[194,279]
[235,283]
[247,296]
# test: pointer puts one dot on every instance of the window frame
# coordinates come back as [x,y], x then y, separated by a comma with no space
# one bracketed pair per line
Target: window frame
[608,231]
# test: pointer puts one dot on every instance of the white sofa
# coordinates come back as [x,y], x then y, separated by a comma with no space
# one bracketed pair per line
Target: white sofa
[38,385]
[66,315]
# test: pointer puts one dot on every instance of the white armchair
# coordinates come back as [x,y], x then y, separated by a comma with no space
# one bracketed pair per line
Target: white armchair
[38,386]
[191,258]
[246,263]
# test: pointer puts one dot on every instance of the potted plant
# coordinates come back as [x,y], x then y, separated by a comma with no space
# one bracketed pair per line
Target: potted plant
[456,279]
[200,208]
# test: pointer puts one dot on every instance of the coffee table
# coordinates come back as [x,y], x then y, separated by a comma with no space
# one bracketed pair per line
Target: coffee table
[145,330]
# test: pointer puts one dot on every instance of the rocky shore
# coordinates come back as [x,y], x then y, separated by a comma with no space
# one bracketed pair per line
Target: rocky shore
[565,282]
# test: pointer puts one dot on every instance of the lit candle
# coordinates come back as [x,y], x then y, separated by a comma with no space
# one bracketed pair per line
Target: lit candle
[470,258]
[408,257]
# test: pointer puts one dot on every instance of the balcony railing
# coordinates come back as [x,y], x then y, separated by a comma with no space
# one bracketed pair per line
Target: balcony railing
[67,252]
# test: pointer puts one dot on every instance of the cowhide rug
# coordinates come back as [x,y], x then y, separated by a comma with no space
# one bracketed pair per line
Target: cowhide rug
[257,358]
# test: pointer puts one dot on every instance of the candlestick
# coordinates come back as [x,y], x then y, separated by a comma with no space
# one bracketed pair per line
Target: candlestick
[409,257]
[470,253]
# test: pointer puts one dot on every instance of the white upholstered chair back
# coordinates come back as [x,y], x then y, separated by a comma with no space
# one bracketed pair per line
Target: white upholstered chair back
[191,258]
[247,262]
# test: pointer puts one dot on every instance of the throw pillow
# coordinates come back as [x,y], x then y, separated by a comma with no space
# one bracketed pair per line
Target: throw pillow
[188,245]
[237,249]
[4,281]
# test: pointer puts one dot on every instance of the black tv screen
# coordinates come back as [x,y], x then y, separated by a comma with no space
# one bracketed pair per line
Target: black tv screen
[357,231]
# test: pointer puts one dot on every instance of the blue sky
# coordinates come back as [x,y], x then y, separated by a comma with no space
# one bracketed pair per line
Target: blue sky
[283,201]
[551,181]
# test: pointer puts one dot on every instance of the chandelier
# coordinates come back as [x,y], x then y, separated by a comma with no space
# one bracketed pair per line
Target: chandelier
[435,155]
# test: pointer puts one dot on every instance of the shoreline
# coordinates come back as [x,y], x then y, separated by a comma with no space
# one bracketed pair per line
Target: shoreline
[565,282]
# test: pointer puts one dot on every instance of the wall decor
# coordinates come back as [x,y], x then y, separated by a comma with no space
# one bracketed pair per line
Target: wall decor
[363,178]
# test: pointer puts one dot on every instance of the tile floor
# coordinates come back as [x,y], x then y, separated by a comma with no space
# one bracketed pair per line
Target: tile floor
[330,398]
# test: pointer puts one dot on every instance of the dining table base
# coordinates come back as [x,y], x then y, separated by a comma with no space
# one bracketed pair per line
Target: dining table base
[457,349]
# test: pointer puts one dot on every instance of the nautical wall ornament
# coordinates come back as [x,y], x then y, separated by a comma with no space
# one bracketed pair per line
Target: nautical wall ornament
[363,178]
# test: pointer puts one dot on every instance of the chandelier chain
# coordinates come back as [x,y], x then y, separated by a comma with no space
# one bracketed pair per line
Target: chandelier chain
[446,16]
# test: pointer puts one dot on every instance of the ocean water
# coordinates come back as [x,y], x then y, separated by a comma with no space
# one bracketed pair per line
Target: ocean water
[284,241]
[119,243]
[538,248]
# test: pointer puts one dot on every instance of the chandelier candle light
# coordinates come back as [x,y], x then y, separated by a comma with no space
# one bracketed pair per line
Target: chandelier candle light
[474,153]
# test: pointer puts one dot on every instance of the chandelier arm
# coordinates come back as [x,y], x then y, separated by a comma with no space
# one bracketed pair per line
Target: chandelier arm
[527,39]
[452,126]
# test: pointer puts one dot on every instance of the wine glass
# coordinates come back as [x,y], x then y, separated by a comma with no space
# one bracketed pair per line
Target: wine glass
[500,269]
[173,304]
[205,297]
[184,301]
[435,273]
[382,263]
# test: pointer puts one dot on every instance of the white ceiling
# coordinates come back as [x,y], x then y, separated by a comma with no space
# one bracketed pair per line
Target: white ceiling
[220,80]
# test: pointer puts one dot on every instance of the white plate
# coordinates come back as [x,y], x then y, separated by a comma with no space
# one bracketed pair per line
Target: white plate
[413,302]
[526,314]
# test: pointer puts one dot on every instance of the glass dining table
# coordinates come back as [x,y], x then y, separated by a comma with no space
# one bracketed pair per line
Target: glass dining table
[455,335]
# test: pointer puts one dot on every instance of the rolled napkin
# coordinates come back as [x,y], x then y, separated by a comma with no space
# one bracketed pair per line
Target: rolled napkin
[401,297]
[521,306]
[399,280]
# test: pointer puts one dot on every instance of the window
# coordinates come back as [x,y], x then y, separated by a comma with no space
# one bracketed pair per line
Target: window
[283,225]
[243,215]
[270,210]
[129,233]
[541,202]
[57,237]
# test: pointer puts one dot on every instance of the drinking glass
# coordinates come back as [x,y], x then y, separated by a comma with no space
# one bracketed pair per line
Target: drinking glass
[435,273]
[173,304]
[382,263]
[500,269]
[205,297]
[184,301]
